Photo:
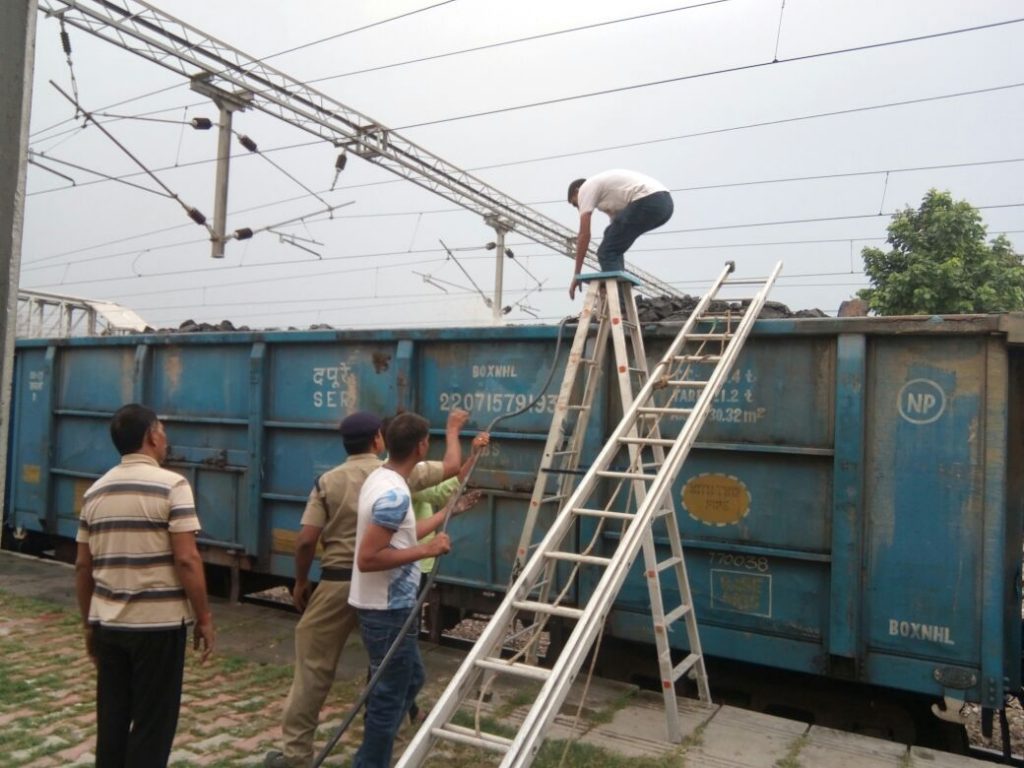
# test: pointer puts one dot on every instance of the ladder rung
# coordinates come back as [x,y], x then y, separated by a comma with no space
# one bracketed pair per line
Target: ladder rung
[553,499]
[663,441]
[574,557]
[649,409]
[603,513]
[626,475]
[687,383]
[698,358]
[676,614]
[463,735]
[534,606]
[514,668]
[671,562]
[709,336]
[684,666]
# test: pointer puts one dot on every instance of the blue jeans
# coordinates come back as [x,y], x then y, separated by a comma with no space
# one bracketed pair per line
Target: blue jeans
[638,217]
[396,690]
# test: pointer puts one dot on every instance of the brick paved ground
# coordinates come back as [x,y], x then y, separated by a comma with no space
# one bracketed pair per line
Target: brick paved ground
[231,708]
[230,712]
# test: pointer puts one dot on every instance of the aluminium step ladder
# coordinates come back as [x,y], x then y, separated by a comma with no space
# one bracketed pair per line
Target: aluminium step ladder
[629,483]
[584,368]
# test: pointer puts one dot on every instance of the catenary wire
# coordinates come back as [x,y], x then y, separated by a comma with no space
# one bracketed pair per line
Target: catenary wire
[631,145]
[711,73]
[514,41]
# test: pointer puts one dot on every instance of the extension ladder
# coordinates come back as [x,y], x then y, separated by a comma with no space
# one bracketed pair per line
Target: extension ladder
[629,483]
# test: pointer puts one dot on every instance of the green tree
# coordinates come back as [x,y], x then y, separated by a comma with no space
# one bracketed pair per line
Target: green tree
[940,263]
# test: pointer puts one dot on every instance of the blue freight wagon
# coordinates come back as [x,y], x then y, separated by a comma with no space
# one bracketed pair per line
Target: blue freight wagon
[853,508]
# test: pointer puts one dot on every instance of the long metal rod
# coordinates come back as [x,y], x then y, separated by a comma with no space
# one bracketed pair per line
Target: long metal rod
[152,34]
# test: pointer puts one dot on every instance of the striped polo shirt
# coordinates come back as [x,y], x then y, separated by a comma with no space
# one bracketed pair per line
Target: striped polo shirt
[127,518]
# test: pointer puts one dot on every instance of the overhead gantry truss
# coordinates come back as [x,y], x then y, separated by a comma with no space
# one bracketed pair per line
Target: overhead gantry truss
[208,62]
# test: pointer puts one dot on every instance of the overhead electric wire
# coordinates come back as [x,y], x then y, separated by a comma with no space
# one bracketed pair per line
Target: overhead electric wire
[513,41]
[909,169]
[108,177]
[913,101]
[711,73]
[809,220]
[630,145]
[363,28]
[38,264]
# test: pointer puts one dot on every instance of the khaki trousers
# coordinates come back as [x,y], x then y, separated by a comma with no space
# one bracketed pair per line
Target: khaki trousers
[320,637]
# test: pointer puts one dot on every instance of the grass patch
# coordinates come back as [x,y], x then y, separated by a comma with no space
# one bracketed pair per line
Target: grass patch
[607,714]
[792,757]
[231,663]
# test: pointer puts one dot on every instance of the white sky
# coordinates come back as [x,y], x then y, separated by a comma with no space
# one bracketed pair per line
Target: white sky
[111,241]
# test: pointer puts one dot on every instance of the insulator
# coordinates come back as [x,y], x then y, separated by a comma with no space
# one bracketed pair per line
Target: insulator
[202,123]
[246,142]
[196,215]
[65,41]
[491,246]
[508,252]
[243,234]
[339,164]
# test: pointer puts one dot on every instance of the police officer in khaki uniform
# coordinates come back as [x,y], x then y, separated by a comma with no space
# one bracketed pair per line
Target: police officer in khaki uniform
[327,619]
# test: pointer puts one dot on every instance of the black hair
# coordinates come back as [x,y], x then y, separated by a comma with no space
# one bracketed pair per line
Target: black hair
[404,433]
[574,188]
[386,422]
[358,445]
[129,426]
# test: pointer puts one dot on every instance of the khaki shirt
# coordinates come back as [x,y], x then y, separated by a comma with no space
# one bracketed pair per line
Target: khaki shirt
[334,501]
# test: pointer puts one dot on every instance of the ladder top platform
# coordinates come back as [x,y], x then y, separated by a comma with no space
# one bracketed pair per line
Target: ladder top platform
[623,277]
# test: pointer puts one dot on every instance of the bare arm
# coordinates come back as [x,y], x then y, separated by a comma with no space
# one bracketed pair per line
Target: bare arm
[582,244]
[452,460]
[305,551]
[479,443]
[189,566]
[376,553]
[84,584]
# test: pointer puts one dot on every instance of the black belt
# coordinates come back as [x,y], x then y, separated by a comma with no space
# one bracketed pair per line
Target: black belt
[335,574]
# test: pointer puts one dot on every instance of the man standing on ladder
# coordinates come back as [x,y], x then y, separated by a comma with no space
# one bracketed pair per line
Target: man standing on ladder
[634,202]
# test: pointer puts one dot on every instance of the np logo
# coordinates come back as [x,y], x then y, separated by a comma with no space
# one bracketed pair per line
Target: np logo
[921,401]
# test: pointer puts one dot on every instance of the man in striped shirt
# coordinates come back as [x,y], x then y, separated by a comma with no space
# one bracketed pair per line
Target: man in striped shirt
[139,580]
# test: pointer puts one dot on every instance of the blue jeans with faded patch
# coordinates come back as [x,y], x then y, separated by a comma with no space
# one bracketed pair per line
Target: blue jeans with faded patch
[395,692]
[638,217]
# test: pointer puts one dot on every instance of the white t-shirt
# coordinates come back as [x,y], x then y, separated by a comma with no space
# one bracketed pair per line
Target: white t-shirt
[385,501]
[611,191]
